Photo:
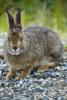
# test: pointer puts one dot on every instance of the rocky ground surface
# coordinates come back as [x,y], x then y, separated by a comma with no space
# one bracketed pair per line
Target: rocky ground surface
[50,85]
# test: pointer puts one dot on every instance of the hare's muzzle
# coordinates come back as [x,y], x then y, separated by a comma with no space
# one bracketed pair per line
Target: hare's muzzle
[15,51]
[15,48]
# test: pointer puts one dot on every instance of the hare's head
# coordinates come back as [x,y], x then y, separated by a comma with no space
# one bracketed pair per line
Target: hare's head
[15,34]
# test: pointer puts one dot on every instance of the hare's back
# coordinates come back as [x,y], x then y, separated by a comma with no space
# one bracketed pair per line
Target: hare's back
[55,46]
[44,41]
[36,36]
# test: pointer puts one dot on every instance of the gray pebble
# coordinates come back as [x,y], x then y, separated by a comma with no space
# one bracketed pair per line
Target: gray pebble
[64,68]
[65,81]
[64,64]
[0,73]
[60,98]
[2,84]
[45,75]
[54,74]
[5,98]
[44,86]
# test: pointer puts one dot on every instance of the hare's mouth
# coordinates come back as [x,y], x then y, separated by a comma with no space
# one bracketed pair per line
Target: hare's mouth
[15,52]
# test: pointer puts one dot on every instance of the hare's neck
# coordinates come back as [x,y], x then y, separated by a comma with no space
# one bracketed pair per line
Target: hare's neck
[25,42]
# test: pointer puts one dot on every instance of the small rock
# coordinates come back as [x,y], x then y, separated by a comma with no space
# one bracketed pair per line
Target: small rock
[43,83]
[2,61]
[7,84]
[40,80]
[36,75]
[51,70]
[54,74]
[21,82]
[10,94]
[64,64]
[39,89]
[45,75]
[5,98]
[1,84]
[60,98]
[38,96]
[1,89]
[65,81]
[17,86]
[0,72]
[64,68]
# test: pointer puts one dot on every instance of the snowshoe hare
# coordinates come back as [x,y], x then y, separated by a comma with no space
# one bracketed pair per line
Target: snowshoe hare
[34,47]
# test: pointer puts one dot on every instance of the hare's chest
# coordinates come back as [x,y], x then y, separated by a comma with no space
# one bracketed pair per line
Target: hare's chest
[17,61]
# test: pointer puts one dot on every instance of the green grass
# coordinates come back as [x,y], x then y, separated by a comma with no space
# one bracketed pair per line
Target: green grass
[39,18]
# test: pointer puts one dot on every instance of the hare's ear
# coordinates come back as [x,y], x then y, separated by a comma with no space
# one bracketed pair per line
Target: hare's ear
[18,18]
[11,20]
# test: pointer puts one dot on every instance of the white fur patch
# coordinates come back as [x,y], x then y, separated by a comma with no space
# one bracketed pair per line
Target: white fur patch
[15,52]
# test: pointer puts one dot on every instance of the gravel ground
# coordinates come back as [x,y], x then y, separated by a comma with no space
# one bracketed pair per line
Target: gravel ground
[50,85]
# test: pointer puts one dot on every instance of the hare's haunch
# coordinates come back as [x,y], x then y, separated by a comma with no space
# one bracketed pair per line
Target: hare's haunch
[34,47]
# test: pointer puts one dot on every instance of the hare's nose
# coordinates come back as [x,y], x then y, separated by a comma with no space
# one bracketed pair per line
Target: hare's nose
[15,48]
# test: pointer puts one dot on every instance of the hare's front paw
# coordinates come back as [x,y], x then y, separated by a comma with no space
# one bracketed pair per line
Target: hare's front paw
[10,75]
[22,75]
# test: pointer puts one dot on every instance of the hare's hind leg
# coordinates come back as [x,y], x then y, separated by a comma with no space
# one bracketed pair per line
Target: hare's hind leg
[11,73]
[46,67]
[46,63]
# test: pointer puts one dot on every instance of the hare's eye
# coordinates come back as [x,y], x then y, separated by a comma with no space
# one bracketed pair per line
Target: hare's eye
[20,38]
[8,39]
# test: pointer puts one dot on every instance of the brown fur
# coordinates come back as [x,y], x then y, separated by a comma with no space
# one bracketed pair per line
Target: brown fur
[32,47]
